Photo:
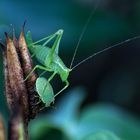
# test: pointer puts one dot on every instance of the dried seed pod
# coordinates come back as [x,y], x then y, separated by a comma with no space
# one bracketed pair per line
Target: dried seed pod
[27,66]
[8,91]
[16,126]
[16,81]
[15,39]
[21,95]
[2,129]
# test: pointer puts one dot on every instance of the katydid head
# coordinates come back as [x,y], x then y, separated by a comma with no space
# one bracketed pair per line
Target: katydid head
[65,74]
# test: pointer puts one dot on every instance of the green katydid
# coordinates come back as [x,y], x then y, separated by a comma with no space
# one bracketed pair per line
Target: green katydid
[51,62]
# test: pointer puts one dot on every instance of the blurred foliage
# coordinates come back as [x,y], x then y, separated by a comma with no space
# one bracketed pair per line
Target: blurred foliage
[94,122]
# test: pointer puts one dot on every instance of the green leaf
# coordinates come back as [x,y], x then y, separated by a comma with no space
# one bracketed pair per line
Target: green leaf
[108,117]
[102,135]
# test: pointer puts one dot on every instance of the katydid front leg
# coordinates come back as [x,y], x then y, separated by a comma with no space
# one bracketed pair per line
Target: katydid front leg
[37,67]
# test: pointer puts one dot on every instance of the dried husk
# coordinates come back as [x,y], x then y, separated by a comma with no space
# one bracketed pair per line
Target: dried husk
[2,129]
[16,80]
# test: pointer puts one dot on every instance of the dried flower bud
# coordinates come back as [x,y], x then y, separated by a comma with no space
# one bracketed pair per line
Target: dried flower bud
[16,80]
[17,130]
[2,129]
[21,95]
[8,91]
[27,65]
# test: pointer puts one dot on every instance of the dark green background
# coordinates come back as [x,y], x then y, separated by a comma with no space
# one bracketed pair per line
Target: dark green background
[111,77]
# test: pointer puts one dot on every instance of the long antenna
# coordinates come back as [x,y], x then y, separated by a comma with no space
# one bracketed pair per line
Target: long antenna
[83,32]
[108,48]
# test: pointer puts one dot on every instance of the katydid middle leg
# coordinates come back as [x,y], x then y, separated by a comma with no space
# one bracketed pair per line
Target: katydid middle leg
[38,102]
[51,77]
[67,84]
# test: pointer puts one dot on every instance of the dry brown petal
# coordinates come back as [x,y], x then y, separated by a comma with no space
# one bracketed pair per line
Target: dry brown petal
[2,129]
[20,94]
[16,80]
[15,40]
[17,129]
[27,65]
[8,91]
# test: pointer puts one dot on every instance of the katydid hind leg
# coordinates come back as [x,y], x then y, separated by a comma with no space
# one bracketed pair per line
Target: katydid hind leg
[58,36]
[55,47]
[49,38]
